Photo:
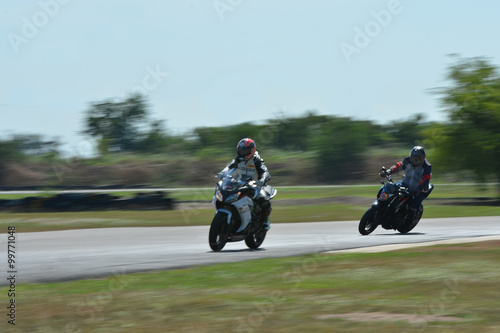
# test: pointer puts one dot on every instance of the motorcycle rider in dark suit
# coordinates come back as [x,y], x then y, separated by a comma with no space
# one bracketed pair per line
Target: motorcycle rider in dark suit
[417,176]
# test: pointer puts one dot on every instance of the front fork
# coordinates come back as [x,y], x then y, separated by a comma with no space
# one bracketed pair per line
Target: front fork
[376,212]
[227,226]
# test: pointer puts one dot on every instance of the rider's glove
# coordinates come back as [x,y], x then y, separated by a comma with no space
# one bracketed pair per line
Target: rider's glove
[384,172]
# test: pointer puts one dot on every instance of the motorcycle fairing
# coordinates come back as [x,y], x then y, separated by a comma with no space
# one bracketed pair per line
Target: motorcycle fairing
[229,214]
[244,207]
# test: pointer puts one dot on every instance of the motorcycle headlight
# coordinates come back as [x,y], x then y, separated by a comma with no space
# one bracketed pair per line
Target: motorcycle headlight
[233,197]
[218,195]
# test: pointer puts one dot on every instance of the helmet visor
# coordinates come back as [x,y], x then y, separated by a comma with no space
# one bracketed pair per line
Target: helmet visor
[244,151]
[417,160]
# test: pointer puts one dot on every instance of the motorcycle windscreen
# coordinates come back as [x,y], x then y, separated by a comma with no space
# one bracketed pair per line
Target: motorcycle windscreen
[244,207]
[390,188]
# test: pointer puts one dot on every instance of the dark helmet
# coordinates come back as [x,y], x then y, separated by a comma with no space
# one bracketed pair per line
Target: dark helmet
[246,148]
[417,156]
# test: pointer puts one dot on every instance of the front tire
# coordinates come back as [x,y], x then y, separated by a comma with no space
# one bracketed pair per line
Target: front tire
[218,234]
[254,241]
[368,224]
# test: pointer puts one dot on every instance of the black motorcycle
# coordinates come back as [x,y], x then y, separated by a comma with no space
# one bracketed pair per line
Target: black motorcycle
[238,215]
[390,210]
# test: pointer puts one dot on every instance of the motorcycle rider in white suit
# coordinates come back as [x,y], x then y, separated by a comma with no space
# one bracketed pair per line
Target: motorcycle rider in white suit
[249,164]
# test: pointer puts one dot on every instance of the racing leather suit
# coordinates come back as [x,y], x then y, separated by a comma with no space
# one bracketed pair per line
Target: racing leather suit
[416,179]
[256,169]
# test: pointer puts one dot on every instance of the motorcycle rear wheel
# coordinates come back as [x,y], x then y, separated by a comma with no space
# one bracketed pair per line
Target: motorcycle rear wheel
[254,241]
[367,224]
[218,234]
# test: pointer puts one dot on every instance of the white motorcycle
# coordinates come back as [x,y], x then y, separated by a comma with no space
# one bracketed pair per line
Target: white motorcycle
[238,216]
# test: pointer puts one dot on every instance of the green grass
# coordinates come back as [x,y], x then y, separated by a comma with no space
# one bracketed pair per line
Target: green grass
[365,191]
[281,295]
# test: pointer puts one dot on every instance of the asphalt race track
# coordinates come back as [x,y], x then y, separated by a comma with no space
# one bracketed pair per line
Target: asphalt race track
[76,254]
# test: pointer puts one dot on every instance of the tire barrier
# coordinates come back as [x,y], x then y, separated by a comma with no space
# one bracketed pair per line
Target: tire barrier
[80,202]
[71,187]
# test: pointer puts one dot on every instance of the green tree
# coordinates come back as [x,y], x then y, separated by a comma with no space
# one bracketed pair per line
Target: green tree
[117,125]
[471,140]
[339,144]
[9,151]
[215,140]
[155,140]
[35,144]
[295,133]
[407,133]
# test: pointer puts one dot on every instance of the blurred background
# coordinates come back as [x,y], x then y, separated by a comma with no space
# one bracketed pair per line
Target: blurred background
[160,92]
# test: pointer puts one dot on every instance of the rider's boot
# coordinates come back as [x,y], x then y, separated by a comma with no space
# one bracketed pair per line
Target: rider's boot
[266,224]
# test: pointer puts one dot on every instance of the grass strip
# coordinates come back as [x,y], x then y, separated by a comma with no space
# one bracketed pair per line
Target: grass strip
[445,288]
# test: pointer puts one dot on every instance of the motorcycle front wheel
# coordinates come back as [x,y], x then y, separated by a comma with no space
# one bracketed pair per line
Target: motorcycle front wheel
[409,225]
[218,234]
[368,223]
[253,241]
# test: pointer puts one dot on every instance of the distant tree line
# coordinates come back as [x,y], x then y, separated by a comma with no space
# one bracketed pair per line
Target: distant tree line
[469,140]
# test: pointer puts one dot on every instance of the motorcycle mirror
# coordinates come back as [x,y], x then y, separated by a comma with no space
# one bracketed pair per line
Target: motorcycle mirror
[382,182]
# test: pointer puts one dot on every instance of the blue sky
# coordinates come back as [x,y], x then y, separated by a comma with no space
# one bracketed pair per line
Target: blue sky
[222,62]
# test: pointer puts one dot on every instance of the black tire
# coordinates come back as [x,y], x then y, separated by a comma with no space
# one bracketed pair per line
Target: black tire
[253,241]
[367,223]
[218,234]
[410,225]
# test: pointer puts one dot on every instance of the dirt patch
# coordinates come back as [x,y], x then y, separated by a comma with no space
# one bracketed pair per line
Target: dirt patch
[384,316]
